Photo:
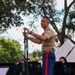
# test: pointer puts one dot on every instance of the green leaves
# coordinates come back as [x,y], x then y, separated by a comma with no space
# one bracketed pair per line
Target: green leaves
[9,50]
[70,24]
[37,53]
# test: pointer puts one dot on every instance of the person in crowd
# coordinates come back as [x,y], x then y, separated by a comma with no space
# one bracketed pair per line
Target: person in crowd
[47,39]
[67,68]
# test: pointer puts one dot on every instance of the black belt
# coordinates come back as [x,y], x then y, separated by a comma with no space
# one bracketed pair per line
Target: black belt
[52,50]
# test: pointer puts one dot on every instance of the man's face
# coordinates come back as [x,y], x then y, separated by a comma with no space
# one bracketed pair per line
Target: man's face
[44,22]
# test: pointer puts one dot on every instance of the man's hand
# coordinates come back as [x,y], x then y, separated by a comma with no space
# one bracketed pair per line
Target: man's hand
[27,31]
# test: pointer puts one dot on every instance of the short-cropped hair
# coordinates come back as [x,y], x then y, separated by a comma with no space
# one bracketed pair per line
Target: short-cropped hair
[46,17]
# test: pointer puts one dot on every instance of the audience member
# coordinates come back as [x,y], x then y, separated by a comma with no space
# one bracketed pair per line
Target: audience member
[67,68]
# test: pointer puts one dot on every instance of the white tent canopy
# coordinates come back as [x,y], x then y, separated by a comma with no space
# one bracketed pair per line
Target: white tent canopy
[71,56]
[67,50]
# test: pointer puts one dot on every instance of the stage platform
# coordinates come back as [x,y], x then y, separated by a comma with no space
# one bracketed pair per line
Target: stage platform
[34,68]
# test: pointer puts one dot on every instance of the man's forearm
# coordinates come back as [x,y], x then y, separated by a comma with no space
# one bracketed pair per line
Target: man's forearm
[35,40]
[37,36]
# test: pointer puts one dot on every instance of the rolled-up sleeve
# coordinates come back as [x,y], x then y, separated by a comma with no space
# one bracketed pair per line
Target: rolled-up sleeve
[49,34]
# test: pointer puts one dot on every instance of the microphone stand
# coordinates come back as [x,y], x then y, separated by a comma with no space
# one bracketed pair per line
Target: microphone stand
[25,59]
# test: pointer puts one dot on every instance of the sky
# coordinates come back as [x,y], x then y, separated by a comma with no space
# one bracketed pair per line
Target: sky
[16,33]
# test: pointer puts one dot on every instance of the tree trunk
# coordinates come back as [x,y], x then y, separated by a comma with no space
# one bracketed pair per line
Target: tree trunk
[64,23]
[64,20]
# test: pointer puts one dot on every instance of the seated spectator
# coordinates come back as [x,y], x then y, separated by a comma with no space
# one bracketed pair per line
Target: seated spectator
[67,68]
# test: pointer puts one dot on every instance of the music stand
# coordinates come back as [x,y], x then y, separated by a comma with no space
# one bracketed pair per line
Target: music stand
[58,68]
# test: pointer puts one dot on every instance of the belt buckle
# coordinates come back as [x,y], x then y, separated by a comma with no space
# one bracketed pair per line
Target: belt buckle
[43,52]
